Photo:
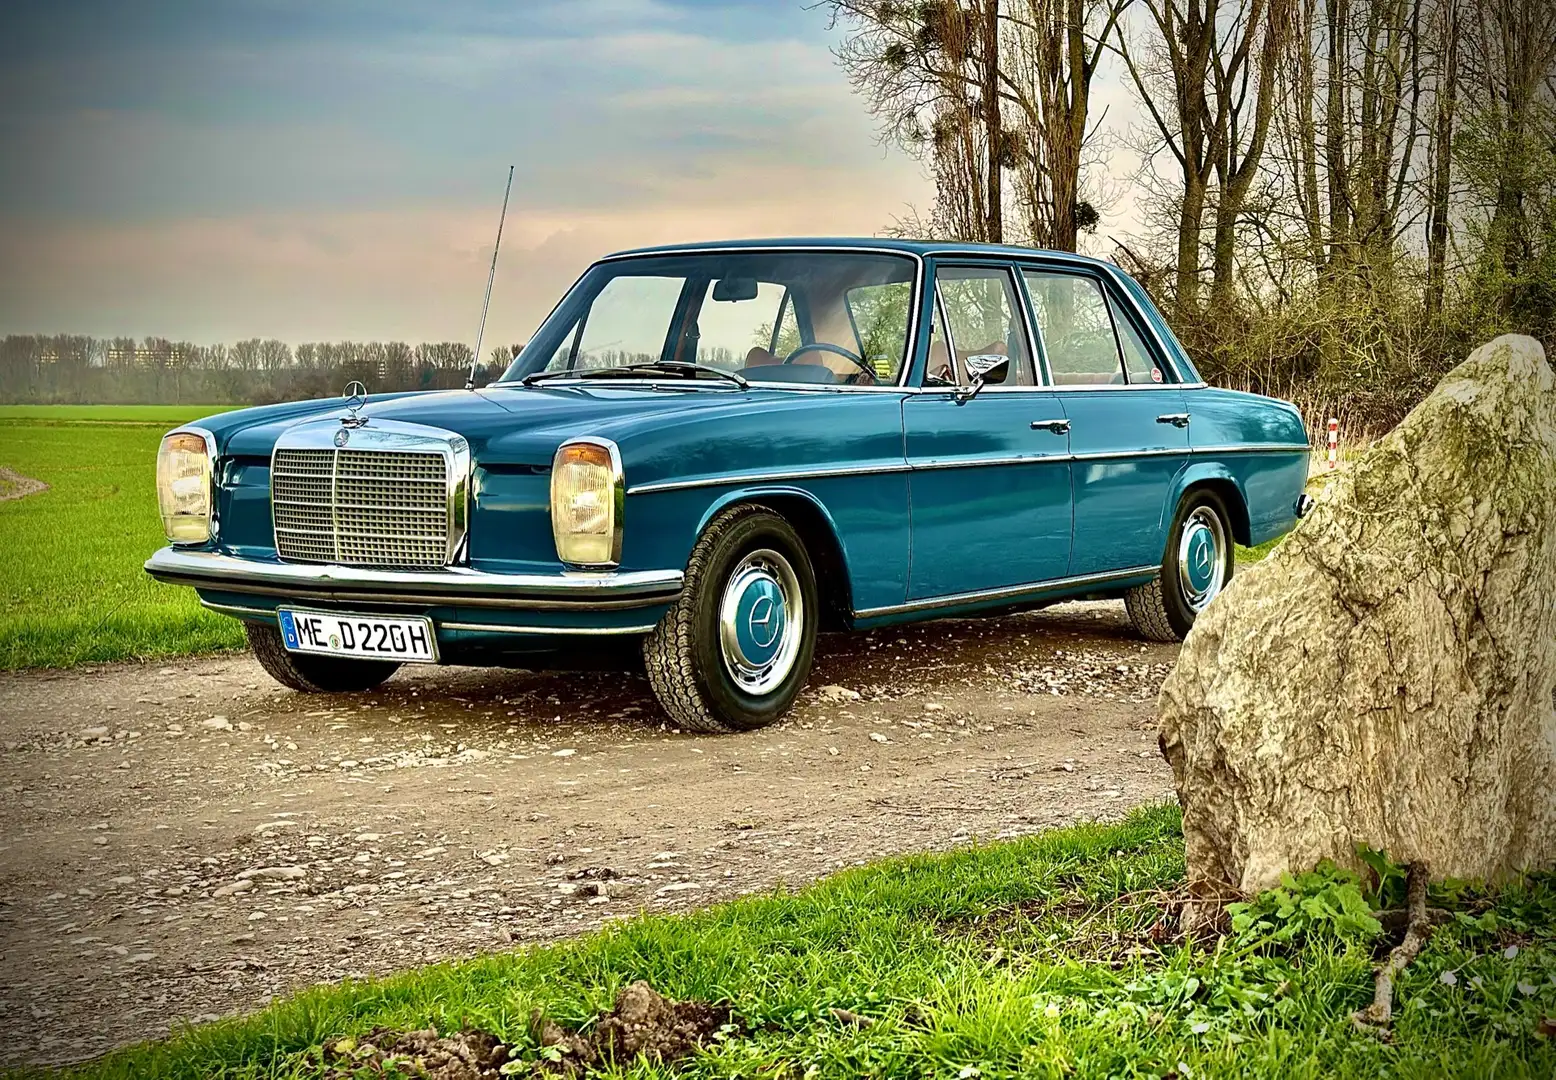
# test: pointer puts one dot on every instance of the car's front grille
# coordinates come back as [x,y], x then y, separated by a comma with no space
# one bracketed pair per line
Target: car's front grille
[360,507]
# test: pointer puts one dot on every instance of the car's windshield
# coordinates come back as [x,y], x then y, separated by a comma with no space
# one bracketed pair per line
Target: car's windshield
[833,318]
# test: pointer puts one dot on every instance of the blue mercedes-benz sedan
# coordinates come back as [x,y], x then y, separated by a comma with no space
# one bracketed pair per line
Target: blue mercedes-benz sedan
[714,452]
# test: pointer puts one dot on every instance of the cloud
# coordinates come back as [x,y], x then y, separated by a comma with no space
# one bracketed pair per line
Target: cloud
[327,171]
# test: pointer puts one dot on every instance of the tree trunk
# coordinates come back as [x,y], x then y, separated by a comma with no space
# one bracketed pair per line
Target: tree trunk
[1441,158]
[1190,215]
[991,117]
[1387,676]
[1335,122]
[1308,139]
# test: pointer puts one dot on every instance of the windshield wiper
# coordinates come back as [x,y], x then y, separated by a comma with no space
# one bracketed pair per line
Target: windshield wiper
[541,376]
[673,367]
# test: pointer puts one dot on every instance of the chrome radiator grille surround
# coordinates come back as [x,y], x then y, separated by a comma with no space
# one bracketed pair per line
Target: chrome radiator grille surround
[391,497]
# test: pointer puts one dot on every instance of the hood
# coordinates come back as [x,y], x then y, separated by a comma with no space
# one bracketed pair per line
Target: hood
[507,425]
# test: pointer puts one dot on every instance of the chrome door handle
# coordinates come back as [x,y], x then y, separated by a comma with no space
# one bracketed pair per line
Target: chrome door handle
[1177,419]
[1058,427]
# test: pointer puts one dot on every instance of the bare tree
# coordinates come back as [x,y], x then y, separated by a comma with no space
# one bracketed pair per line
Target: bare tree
[1508,151]
[981,87]
[1215,62]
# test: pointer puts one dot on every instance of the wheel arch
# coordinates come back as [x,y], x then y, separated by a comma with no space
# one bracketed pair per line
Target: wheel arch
[813,521]
[1217,478]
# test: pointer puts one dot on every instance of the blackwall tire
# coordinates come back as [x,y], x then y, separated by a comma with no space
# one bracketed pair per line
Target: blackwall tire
[1197,564]
[733,652]
[313,674]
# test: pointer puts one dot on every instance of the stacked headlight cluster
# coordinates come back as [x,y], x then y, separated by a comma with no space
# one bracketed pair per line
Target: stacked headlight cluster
[588,495]
[184,486]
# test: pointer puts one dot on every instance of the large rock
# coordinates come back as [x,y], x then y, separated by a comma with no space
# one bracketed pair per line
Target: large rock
[1387,676]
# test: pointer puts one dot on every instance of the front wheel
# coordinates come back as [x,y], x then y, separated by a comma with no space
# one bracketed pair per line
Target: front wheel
[736,648]
[1197,565]
[313,674]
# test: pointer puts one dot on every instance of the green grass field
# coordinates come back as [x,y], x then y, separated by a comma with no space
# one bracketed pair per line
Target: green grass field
[1032,958]
[71,581]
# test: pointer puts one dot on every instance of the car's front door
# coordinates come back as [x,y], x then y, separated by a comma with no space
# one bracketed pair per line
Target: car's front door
[1128,422]
[990,480]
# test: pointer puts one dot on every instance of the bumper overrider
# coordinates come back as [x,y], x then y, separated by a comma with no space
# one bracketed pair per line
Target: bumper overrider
[576,591]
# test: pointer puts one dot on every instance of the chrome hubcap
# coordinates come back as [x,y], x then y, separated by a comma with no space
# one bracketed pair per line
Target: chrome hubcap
[760,619]
[1201,558]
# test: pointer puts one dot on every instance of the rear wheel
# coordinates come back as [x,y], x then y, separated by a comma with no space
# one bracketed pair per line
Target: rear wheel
[313,674]
[736,648]
[1197,565]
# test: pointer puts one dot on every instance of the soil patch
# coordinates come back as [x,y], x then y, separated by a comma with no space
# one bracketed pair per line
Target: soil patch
[13,485]
[468,1055]
[643,1023]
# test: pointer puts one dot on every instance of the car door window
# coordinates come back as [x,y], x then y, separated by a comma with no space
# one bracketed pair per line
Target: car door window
[1138,364]
[1077,329]
[627,323]
[985,318]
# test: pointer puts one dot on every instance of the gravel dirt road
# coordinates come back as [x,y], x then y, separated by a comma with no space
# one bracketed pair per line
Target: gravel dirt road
[183,841]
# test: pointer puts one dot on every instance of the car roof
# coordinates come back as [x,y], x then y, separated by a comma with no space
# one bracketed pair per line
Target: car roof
[874,243]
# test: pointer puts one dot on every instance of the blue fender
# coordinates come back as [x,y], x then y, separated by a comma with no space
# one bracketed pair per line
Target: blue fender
[756,494]
[823,539]
[1215,474]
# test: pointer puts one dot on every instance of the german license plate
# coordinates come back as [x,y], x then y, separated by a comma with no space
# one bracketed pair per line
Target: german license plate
[404,639]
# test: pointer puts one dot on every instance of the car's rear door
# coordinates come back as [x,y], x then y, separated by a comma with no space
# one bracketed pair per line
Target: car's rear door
[990,480]
[1128,421]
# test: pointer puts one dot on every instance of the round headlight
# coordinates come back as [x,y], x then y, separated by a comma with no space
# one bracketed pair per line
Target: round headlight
[588,495]
[184,487]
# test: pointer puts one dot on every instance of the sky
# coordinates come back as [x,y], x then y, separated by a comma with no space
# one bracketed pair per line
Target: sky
[211,170]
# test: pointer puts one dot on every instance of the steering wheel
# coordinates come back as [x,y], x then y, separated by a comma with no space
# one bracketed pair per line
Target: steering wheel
[822,346]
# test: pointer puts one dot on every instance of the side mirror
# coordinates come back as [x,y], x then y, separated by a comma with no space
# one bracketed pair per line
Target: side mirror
[983,368]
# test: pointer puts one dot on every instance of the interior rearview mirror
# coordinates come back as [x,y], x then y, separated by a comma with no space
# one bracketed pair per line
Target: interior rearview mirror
[732,289]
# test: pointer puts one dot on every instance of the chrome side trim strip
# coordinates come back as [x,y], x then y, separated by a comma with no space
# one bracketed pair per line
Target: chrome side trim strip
[1109,455]
[768,477]
[780,476]
[555,631]
[1012,592]
[568,590]
[970,463]
[1254,448]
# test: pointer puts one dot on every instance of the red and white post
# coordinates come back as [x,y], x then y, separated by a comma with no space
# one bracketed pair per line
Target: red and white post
[1334,442]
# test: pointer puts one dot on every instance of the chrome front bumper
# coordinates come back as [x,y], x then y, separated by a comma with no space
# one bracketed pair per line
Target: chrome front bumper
[566,591]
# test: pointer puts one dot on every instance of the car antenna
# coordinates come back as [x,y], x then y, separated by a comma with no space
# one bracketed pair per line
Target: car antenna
[490,278]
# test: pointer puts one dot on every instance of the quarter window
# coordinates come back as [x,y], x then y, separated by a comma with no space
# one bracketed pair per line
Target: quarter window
[1138,364]
[984,315]
[1077,329]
